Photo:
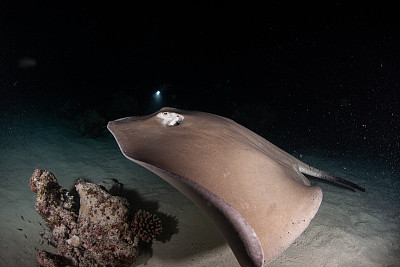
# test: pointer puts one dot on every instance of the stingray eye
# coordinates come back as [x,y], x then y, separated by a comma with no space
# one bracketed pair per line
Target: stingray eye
[170,118]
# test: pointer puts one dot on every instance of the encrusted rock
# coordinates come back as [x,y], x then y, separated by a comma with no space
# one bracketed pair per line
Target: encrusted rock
[54,204]
[99,234]
[103,226]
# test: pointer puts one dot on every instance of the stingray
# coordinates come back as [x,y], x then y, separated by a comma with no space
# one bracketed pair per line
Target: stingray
[254,192]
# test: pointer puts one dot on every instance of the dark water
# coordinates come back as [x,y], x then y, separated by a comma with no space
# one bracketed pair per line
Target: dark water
[318,81]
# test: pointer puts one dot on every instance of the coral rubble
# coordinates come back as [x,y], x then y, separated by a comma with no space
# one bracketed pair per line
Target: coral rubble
[97,232]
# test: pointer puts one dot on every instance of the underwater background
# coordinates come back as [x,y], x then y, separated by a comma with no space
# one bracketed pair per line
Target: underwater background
[320,81]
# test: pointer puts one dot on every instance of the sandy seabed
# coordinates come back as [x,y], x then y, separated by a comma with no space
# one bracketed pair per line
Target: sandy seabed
[350,228]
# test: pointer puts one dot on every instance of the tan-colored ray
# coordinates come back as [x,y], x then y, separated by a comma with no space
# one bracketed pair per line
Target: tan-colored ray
[250,188]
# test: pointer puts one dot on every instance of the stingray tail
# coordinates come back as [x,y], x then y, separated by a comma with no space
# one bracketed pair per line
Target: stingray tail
[308,170]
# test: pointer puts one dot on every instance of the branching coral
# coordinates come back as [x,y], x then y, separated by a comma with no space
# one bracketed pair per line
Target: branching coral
[146,226]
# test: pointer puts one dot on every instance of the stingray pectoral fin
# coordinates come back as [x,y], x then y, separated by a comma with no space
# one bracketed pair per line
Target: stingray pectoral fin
[276,227]
[239,234]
